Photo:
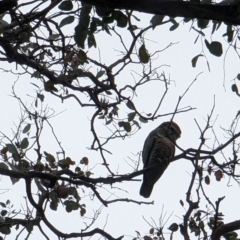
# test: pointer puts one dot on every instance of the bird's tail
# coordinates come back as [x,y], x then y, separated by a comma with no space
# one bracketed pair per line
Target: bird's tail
[146,189]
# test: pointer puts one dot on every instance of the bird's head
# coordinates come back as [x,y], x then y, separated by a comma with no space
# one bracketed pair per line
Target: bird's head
[170,130]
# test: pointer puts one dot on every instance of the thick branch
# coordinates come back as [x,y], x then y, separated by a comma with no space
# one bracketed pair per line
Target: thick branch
[226,13]
[229,227]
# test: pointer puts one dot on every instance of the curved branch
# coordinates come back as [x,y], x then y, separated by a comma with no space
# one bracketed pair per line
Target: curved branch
[56,231]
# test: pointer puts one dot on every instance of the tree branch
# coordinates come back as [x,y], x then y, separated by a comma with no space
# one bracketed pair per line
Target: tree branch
[227,13]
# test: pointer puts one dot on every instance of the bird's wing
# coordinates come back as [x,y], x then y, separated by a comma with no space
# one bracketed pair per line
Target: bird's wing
[148,146]
[162,150]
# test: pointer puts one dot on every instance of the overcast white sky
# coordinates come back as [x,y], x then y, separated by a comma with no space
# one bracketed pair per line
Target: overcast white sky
[73,129]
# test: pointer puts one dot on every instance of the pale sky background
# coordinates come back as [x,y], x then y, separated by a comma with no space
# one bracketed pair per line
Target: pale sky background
[73,130]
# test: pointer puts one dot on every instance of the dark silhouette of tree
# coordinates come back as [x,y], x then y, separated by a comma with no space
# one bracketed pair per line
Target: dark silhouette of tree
[60,64]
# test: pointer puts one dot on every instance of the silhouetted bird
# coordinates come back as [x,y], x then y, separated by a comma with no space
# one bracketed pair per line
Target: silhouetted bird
[159,147]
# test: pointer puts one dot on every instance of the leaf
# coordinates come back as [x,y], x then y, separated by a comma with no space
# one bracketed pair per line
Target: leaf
[131,116]
[49,157]
[108,122]
[100,73]
[93,25]
[63,164]
[88,174]
[80,35]
[151,231]
[143,120]
[29,227]
[35,85]
[207,180]
[147,238]
[172,20]
[230,36]
[11,148]
[73,191]
[14,180]
[49,86]
[53,197]
[3,165]
[2,204]
[138,233]
[84,161]
[202,23]
[53,205]
[173,227]
[219,175]
[215,48]
[4,150]
[5,230]
[71,205]
[121,18]
[136,123]
[156,20]
[235,88]
[214,26]
[26,128]
[62,192]
[16,157]
[66,5]
[122,21]
[173,27]
[40,96]
[85,15]
[36,74]
[70,161]
[125,125]
[82,57]
[78,170]
[91,40]
[196,39]
[201,225]
[130,105]
[103,12]
[108,92]
[4,212]
[143,54]
[24,144]
[181,202]
[115,111]
[82,211]
[230,33]
[66,21]
[194,60]
[81,30]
